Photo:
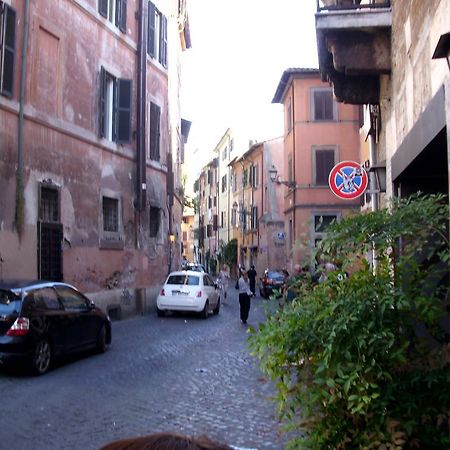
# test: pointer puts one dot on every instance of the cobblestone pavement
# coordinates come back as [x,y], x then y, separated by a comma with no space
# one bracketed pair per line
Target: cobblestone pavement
[178,373]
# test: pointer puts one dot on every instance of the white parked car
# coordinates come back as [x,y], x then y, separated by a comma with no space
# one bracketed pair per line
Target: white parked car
[188,290]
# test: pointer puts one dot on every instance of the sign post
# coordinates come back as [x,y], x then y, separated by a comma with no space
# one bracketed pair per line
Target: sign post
[348,180]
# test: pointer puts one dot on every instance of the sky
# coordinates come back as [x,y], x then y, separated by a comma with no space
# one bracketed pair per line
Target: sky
[240,49]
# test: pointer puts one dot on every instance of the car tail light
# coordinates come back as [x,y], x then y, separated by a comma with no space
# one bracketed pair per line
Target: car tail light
[20,327]
[198,294]
[162,293]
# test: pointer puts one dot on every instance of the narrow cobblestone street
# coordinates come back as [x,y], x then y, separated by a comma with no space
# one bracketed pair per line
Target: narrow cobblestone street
[178,373]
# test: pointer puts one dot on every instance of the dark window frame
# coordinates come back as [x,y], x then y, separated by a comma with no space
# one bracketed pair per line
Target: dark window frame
[7,49]
[120,13]
[322,164]
[154,221]
[155,132]
[120,113]
[157,35]
[321,111]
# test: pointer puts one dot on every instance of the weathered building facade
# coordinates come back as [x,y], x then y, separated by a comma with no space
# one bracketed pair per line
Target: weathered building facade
[318,133]
[390,56]
[257,205]
[89,144]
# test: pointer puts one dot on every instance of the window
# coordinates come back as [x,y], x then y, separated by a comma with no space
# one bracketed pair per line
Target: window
[155,120]
[231,144]
[115,108]
[154,221]
[254,218]
[115,11]
[324,161]
[224,153]
[7,48]
[223,219]
[323,105]
[254,176]
[157,35]
[321,223]
[42,299]
[110,214]
[290,166]
[244,177]
[72,300]
[289,116]
[234,215]
[49,205]
[224,183]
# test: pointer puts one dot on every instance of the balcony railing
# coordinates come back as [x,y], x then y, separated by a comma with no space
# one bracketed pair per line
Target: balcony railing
[341,5]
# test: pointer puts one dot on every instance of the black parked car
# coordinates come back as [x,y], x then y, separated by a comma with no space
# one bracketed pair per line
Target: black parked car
[40,320]
[273,280]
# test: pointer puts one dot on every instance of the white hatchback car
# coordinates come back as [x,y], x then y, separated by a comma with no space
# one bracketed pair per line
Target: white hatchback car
[187,290]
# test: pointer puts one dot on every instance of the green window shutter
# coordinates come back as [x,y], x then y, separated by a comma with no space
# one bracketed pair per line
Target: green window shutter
[151,30]
[102,106]
[9,43]
[103,7]
[124,111]
[122,15]
[163,42]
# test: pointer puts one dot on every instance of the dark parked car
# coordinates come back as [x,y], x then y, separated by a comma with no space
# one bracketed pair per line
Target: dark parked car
[271,281]
[40,320]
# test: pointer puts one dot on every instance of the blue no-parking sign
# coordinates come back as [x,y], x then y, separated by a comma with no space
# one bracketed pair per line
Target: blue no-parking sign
[348,180]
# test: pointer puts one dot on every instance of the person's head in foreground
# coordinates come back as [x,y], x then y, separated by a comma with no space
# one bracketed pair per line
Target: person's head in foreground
[166,441]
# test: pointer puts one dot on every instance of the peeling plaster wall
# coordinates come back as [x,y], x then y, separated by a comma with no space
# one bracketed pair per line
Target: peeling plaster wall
[68,44]
[416,77]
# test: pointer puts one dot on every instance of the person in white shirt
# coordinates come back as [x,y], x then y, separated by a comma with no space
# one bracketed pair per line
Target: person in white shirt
[244,296]
[224,276]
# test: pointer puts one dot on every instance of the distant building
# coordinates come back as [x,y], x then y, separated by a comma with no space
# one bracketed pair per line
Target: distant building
[318,133]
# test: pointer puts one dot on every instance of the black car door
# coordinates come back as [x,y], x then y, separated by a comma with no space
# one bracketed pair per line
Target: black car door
[42,307]
[83,322]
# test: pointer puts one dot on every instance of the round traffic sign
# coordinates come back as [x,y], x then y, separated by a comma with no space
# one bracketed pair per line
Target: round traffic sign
[348,180]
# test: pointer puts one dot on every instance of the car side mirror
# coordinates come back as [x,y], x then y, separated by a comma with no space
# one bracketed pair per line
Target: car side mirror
[91,304]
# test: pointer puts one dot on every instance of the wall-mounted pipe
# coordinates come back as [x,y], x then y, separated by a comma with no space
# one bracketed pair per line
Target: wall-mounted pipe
[20,199]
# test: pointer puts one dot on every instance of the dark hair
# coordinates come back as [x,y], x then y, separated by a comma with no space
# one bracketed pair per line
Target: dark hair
[166,441]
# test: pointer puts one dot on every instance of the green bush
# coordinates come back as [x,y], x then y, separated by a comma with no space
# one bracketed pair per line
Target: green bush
[363,362]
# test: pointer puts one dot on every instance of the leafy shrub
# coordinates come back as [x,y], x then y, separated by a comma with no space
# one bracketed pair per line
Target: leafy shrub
[363,362]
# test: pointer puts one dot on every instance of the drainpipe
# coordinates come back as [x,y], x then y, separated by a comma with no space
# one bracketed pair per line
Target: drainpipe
[20,201]
[294,147]
[141,182]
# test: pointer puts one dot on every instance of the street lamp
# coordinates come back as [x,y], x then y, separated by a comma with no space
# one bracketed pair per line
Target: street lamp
[276,179]
[379,169]
[443,48]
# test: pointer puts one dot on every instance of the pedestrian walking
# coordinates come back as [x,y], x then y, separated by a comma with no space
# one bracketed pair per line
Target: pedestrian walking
[224,277]
[252,279]
[244,296]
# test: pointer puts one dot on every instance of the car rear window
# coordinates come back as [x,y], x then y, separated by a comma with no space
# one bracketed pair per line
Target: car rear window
[9,302]
[275,275]
[190,280]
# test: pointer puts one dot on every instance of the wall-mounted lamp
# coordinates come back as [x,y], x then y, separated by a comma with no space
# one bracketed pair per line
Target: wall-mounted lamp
[379,170]
[443,48]
[171,237]
[276,179]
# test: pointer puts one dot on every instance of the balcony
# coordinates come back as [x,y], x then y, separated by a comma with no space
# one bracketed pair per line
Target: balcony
[353,43]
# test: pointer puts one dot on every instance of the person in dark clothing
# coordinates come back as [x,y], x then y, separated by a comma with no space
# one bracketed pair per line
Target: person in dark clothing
[244,296]
[252,279]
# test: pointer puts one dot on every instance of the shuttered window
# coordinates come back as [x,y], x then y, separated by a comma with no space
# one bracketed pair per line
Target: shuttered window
[115,108]
[324,162]
[155,118]
[157,35]
[110,214]
[323,105]
[115,11]
[7,48]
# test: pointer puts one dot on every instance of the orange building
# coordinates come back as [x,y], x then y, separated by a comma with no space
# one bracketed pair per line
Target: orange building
[318,133]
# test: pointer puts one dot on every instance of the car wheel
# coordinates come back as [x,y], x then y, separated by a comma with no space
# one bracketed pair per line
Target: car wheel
[217,308]
[42,357]
[101,340]
[160,312]
[204,314]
